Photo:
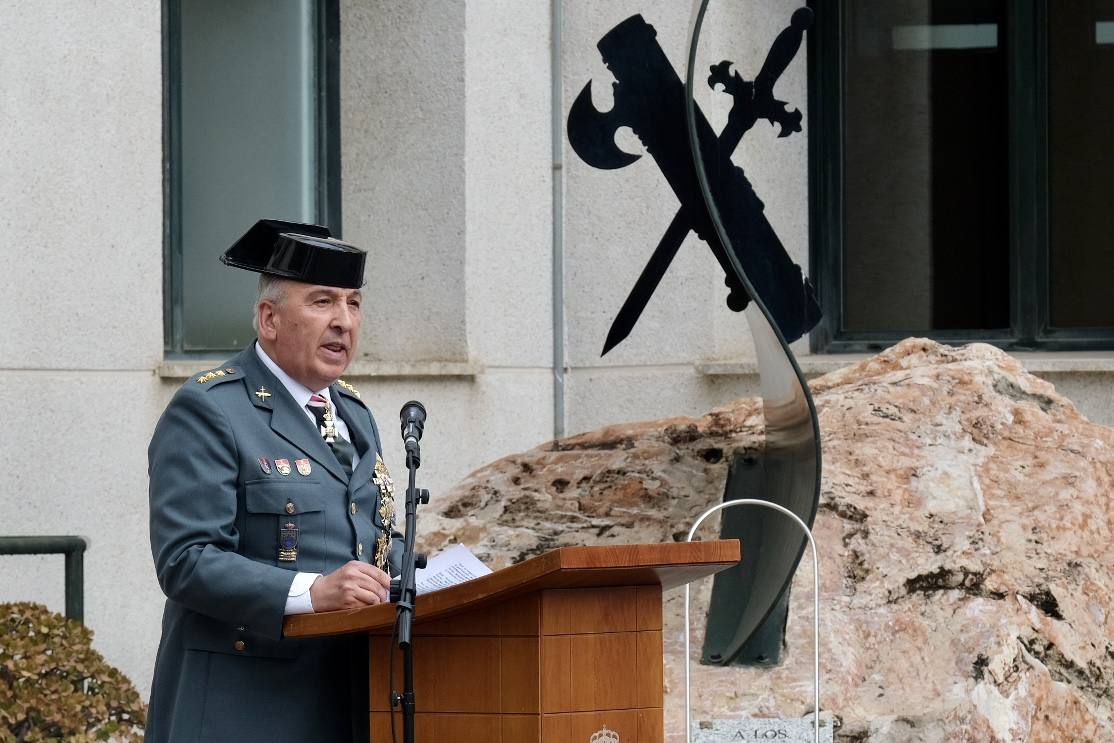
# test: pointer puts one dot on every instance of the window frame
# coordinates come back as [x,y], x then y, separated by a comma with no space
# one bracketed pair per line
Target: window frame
[328,187]
[1030,301]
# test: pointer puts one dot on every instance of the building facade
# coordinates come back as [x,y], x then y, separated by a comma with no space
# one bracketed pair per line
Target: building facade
[143,137]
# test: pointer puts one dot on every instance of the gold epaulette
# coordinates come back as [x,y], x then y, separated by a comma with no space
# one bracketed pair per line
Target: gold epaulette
[348,387]
[209,376]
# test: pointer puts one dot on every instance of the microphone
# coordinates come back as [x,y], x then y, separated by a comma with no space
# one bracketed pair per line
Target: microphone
[412,416]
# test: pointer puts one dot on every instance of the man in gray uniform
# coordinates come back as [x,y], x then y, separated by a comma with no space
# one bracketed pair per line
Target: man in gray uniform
[269,497]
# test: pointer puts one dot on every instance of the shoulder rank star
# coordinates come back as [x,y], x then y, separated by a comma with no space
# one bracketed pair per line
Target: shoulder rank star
[211,375]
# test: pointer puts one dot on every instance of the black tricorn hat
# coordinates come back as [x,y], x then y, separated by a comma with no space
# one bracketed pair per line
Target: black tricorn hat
[301,252]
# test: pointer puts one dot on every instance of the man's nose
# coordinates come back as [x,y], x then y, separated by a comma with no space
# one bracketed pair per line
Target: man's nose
[345,316]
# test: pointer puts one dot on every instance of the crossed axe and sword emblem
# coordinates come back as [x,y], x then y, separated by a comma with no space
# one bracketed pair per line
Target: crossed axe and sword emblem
[650,99]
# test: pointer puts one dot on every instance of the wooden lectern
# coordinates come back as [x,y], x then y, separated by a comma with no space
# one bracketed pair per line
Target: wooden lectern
[552,650]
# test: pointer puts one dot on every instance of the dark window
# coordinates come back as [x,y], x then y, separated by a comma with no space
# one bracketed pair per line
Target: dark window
[251,133]
[1081,162]
[962,177]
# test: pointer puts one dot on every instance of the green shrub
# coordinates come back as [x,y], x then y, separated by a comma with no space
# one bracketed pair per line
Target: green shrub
[54,686]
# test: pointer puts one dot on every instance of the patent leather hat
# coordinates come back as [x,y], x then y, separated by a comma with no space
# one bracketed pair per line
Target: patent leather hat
[300,252]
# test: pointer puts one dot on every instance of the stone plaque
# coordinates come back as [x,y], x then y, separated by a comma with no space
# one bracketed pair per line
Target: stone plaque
[755,730]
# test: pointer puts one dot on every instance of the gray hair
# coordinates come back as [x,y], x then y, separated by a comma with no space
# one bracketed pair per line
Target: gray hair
[271,289]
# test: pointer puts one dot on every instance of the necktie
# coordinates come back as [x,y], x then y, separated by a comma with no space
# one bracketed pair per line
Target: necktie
[326,426]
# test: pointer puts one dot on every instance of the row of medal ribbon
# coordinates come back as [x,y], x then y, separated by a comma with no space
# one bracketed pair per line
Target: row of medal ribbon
[283,466]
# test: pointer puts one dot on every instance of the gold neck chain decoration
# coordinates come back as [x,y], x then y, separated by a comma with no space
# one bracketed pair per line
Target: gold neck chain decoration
[330,431]
[382,480]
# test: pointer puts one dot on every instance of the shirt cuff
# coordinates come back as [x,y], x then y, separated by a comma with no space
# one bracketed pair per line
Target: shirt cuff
[298,600]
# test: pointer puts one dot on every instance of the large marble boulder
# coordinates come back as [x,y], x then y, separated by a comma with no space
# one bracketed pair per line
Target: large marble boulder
[966,530]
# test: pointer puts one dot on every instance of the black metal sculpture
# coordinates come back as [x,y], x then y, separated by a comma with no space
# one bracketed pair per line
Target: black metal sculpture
[719,204]
[650,99]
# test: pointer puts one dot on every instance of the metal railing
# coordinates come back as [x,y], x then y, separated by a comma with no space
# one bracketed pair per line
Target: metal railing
[815,611]
[74,550]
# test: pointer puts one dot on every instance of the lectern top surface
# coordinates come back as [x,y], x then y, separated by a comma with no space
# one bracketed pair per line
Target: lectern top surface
[669,565]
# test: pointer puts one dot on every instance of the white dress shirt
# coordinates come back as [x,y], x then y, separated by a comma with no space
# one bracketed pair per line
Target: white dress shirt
[298,599]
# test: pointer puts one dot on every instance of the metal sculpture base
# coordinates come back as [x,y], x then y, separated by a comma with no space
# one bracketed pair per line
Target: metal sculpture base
[724,642]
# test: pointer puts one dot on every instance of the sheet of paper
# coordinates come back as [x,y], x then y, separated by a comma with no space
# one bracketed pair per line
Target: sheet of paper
[454,565]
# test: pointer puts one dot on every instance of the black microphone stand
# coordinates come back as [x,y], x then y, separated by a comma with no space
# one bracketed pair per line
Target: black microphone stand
[408,590]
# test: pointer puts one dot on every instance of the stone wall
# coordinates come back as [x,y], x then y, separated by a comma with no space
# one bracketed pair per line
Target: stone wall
[965,532]
[81,329]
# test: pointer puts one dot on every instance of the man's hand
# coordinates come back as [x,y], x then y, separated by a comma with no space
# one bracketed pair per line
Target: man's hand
[350,586]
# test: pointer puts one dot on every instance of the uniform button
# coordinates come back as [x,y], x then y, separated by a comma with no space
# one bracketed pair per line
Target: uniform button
[352,508]
[360,548]
[241,628]
[289,507]
[239,646]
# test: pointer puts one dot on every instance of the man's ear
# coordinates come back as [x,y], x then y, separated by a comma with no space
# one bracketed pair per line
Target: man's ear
[268,320]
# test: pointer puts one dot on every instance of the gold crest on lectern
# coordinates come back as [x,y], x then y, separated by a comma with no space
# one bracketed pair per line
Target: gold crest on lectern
[604,735]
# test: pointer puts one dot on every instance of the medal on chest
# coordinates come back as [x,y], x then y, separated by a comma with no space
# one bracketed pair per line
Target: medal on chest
[288,542]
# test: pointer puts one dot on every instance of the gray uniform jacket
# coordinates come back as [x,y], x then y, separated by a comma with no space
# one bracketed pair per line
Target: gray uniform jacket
[218,503]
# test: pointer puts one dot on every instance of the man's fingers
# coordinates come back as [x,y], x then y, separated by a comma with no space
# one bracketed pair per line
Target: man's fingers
[363,597]
[352,595]
[382,578]
[369,570]
[351,586]
[361,584]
